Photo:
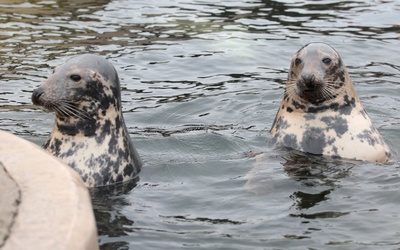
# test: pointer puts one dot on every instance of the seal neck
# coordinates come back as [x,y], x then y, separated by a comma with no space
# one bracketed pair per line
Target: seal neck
[343,104]
[89,126]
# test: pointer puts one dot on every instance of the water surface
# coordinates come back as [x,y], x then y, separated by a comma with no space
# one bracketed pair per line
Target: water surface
[201,83]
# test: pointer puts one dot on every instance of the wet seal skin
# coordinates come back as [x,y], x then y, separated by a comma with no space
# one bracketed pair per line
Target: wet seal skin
[89,133]
[320,112]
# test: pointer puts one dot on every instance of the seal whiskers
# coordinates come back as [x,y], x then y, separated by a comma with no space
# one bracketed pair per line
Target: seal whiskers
[65,108]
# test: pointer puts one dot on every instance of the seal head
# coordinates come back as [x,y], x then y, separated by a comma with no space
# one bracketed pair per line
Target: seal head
[89,133]
[321,113]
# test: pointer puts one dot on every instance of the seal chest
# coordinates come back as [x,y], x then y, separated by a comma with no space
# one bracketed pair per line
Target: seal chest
[321,113]
[89,133]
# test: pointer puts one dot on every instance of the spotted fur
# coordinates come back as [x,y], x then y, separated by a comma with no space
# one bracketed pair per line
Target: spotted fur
[321,113]
[89,133]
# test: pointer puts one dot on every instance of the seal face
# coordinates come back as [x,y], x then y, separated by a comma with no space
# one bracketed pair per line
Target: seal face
[89,133]
[321,113]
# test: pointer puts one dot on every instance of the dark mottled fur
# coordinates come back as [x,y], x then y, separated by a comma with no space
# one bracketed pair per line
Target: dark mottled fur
[320,111]
[90,135]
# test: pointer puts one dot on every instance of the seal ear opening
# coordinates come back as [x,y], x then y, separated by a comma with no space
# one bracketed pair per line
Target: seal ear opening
[93,74]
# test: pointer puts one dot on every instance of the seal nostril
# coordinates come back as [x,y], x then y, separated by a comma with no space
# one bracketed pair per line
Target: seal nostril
[308,80]
[37,93]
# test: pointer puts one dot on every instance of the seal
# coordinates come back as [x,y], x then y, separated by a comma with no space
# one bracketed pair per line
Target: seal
[89,133]
[321,113]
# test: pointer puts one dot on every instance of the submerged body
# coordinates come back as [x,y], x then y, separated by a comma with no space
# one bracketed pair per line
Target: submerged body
[321,113]
[89,133]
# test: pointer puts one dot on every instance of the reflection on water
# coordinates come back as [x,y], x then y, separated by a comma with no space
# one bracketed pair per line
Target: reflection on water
[201,82]
[315,173]
[106,205]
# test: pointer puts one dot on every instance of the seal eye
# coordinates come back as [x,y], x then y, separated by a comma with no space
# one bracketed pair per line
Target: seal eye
[297,61]
[75,78]
[326,60]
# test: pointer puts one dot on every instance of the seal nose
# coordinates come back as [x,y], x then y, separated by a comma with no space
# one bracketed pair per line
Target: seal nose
[308,80]
[36,95]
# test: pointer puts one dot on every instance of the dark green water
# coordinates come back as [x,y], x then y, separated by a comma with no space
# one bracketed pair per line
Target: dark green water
[201,82]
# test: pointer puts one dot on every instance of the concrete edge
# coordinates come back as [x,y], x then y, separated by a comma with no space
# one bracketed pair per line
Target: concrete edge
[55,211]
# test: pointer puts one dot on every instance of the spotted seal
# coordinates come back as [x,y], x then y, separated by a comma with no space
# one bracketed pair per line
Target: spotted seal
[321,113]
[89,133]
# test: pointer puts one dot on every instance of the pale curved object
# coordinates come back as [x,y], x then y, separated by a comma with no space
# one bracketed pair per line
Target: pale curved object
[46,206]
